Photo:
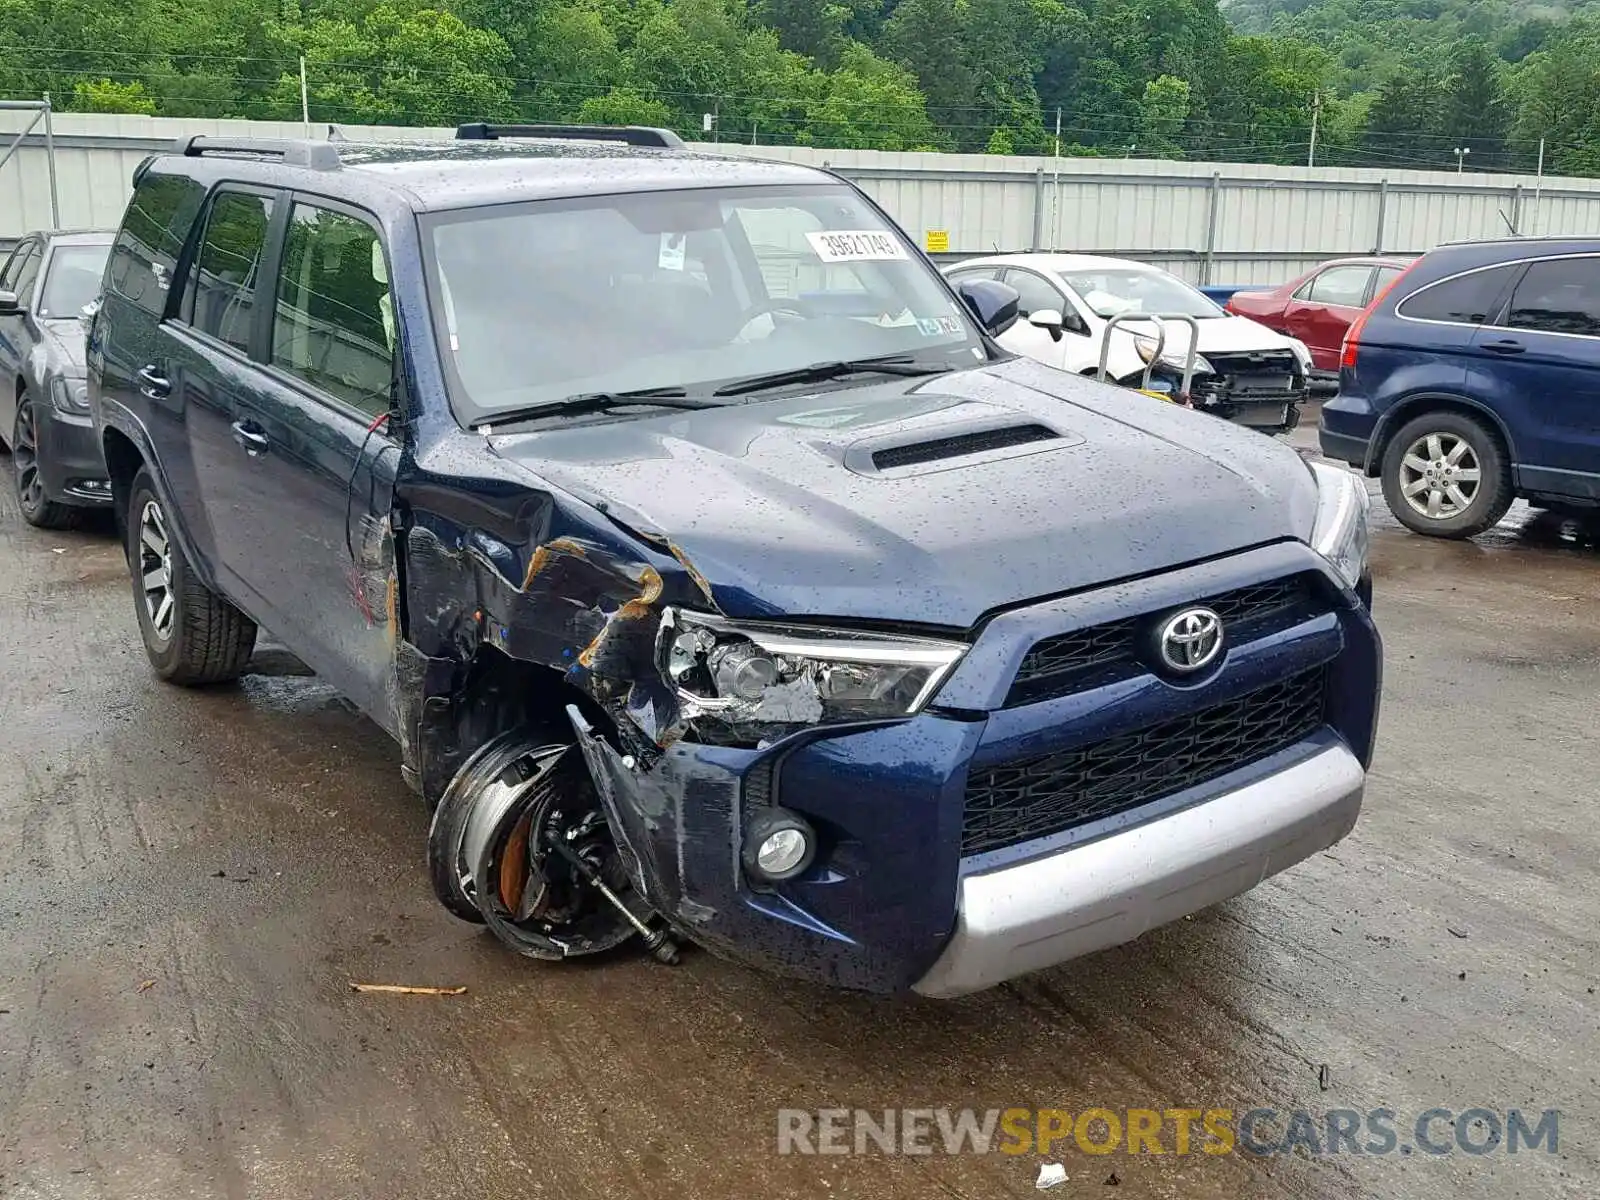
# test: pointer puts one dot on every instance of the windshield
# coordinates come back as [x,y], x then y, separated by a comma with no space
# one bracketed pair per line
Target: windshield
[536,302]
[72,280]
[1129,289]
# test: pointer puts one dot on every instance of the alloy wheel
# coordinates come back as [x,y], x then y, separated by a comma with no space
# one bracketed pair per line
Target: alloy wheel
[25,459]
[155,570]
[1440,476]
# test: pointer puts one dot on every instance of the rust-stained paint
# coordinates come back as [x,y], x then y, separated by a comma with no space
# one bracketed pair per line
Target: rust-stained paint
[637,609]
[544,555]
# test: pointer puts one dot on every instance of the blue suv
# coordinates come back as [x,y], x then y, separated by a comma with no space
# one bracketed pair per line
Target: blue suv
[717,573]
[1475,379]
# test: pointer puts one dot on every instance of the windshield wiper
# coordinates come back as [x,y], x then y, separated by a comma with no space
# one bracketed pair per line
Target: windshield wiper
[672,397]
[889,364]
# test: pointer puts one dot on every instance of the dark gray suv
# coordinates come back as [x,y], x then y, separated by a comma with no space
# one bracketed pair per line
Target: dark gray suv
[44,406]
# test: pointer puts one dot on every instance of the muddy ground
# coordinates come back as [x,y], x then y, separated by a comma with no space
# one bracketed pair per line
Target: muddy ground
[193,879]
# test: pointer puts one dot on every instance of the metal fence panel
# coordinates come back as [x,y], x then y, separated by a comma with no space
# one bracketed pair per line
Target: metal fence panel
[1224,223]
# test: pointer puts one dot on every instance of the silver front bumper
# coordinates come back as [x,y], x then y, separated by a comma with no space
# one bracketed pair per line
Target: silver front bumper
[1045,911]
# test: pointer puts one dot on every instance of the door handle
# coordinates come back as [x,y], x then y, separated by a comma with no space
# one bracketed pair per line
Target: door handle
[153,385]
[1504,346]
[250,438]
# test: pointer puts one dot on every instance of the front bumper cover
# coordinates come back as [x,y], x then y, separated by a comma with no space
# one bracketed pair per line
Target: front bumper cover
[1047,910]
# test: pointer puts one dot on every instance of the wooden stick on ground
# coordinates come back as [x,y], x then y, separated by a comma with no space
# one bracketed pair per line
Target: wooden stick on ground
[400,989]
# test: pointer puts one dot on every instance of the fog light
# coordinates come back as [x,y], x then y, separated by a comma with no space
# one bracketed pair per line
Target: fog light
[778,845]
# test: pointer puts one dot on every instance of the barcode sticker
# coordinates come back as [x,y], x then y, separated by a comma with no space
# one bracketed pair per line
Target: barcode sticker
[856,245]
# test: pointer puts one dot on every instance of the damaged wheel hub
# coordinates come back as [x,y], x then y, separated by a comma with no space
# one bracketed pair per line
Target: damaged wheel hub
[520,838]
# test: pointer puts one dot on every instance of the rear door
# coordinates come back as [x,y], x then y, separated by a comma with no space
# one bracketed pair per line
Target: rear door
[206,366]
[1323,308]
[1543,352]
[19,270]
[313,465]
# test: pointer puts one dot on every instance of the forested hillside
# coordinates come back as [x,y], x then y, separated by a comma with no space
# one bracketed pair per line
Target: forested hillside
[1388,82]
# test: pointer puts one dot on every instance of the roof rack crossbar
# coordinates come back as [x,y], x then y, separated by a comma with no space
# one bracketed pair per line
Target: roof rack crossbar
[632,135]
[294,152]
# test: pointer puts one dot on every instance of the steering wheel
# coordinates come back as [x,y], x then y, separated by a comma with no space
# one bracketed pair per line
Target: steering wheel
[772,304]
[774,308]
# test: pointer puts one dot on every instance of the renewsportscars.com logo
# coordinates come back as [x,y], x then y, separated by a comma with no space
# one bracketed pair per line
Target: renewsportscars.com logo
[1214,1131]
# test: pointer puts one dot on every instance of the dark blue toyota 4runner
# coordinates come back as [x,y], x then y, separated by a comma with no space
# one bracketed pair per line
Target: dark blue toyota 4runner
[719,576]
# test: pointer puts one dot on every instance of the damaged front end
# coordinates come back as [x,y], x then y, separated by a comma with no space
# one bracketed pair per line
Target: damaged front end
[643,803]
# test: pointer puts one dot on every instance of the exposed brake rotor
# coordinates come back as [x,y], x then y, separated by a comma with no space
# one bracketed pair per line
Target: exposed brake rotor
[520,842]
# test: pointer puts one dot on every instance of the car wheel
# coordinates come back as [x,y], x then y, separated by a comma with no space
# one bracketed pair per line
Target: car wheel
[191,634]
[1445,474]
[38,509]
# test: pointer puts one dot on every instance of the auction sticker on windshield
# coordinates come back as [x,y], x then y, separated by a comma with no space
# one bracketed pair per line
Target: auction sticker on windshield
[856,245]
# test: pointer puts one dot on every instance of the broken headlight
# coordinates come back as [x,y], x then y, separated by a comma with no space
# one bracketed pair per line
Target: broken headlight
[755,674]
[1172,359]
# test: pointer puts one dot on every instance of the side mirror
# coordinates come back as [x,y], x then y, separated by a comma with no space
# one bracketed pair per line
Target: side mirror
[1047,319]
[992,302]
[87,313]
[8,304]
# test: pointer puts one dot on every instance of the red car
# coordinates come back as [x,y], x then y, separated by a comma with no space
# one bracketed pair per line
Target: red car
[1318,307]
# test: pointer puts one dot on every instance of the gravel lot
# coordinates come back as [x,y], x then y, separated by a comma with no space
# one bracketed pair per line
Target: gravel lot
[194,879]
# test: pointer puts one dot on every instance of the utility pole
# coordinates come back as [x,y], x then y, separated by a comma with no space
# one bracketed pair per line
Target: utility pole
[1055,200]
[305,102]
[1538,181]
[1316,111]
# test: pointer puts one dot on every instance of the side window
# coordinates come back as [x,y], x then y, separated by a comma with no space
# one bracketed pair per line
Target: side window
[1036,293]
[225,276]
[967,273]
[1340,285]
[1559,295]
[27,272]
[1469,299]
[334,324]
[153,231]
[1386,276]
[13,267]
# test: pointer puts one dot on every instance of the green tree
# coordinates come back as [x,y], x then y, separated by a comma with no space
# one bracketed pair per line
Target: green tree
[1000,142]
[104,96]
[1475,113]
[424,67]
[624,106]
[1162,113]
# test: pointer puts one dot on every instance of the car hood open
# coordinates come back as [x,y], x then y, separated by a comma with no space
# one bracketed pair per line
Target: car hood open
[931,501]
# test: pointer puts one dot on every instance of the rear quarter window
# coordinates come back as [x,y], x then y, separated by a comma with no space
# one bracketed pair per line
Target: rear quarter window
[1469,299]
[154,228]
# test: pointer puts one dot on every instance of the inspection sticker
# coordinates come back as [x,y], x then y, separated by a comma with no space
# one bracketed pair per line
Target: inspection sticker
[856,245]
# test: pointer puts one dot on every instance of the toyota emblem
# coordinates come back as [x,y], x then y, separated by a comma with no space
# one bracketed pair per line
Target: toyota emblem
[1190,640]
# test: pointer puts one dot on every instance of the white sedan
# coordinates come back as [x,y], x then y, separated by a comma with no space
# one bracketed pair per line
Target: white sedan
[1243,371]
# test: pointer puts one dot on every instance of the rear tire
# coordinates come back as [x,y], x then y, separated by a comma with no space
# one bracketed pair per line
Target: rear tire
[191,635]
[1446,474]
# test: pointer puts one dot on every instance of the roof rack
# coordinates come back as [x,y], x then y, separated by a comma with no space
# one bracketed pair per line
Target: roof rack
[632,135]
[295,152]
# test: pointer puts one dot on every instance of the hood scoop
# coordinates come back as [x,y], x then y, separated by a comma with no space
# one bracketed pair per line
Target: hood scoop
[917,452]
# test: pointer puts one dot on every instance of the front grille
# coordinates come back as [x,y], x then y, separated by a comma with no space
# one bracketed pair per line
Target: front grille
[1020,801]
[1060,664]
[961,445]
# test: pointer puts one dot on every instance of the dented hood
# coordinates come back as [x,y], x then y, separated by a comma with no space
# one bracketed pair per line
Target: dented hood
[929,500]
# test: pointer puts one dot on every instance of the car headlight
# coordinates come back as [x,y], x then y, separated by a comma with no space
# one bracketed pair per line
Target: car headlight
[761,677]
[69,395]
[1340,533]
[1175,359]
